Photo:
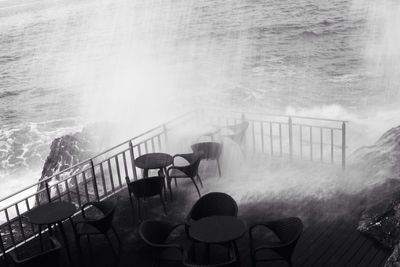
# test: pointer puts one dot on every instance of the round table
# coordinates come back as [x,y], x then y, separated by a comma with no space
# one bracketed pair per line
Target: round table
[52,213]
[218,230]
[153,161]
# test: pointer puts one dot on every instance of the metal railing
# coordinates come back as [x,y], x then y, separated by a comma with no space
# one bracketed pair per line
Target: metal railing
[93,179]
[295,137]
[104,174]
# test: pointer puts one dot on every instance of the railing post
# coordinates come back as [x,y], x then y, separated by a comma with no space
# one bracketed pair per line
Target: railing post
[133,161]
[48,191]
[290,137]
[344,145]
[96,190]
[166,136]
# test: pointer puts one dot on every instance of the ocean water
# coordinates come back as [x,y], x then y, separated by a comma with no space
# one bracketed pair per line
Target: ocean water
[67,64]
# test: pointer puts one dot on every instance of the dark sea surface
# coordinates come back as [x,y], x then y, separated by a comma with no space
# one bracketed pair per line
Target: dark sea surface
[66,64]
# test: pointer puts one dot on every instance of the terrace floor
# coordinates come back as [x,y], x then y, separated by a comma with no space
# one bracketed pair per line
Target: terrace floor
[263,192]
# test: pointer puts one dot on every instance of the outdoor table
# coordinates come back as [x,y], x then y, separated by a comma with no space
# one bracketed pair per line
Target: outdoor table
[218,230]
[52,213]
[153,161]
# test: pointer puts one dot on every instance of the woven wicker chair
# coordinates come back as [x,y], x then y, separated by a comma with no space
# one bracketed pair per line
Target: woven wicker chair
[287,230]
[47,258]
[185,172]
[209,151]
[156,234]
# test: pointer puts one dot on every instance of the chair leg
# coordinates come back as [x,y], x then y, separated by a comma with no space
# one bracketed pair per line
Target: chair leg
[112,248]
[163,203]
[219,168]
[176,183]
[116,235]
[197,188]
[139,210]
[200,181]
[169,188]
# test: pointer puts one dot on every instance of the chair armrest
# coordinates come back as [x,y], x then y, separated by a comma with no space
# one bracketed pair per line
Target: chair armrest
[186,156]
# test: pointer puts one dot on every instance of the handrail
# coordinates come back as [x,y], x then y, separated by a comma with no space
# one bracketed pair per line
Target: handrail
[93,157]
[285,116]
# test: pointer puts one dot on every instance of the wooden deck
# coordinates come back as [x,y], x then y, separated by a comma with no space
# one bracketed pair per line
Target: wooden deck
[328,240]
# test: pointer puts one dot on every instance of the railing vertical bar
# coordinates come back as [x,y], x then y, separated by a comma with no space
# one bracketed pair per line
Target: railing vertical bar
[331,145]
[322,143]
[290,127]
[125,165]
[311,144]
[159,143]
[271,138]
[20,222]
[262,136]
[78,194]
[139,149]
[146,149]
[29,208]
[280,139]
[9,227]
[301,141]
[103,179]
[344,145]
[86,187]
[118,171]
[111,175]
[133,161]
[254,136]
[68,191]
[165,136]
[152,145]
[96,190]
[58,192]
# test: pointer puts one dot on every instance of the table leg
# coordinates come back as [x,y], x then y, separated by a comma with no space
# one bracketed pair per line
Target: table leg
[236,252]
[65,240]
[145,173]
[40,237]
[77,241]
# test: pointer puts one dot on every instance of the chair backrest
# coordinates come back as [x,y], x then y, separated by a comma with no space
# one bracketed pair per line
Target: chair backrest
[239,131]
[103,223]
[215,203]
[154,233]
[49,258]
[288,230]
[208,150]
[191,170]
[146,187]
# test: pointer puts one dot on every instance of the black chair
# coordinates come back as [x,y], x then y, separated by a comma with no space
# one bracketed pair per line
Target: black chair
[211,204]
[238,133]
[98,224]
[49,258]
[189,261]
[287,230]
[144,188]
[156,234]
[209,151]
[185,172]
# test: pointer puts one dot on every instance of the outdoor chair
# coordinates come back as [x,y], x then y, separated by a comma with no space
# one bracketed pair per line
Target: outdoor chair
[98,224]
[238,134]
[157,235]
[49,258]
[190,261]
[209,151]
[185,172]
[211,204]
[287,230]
[144,188]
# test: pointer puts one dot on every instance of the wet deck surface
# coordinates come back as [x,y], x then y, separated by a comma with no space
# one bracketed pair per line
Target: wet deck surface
[326,241]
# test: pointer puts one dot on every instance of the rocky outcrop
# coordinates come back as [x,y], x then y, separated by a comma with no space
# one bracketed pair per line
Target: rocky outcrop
[381,160]
[65,152]
[381,221]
